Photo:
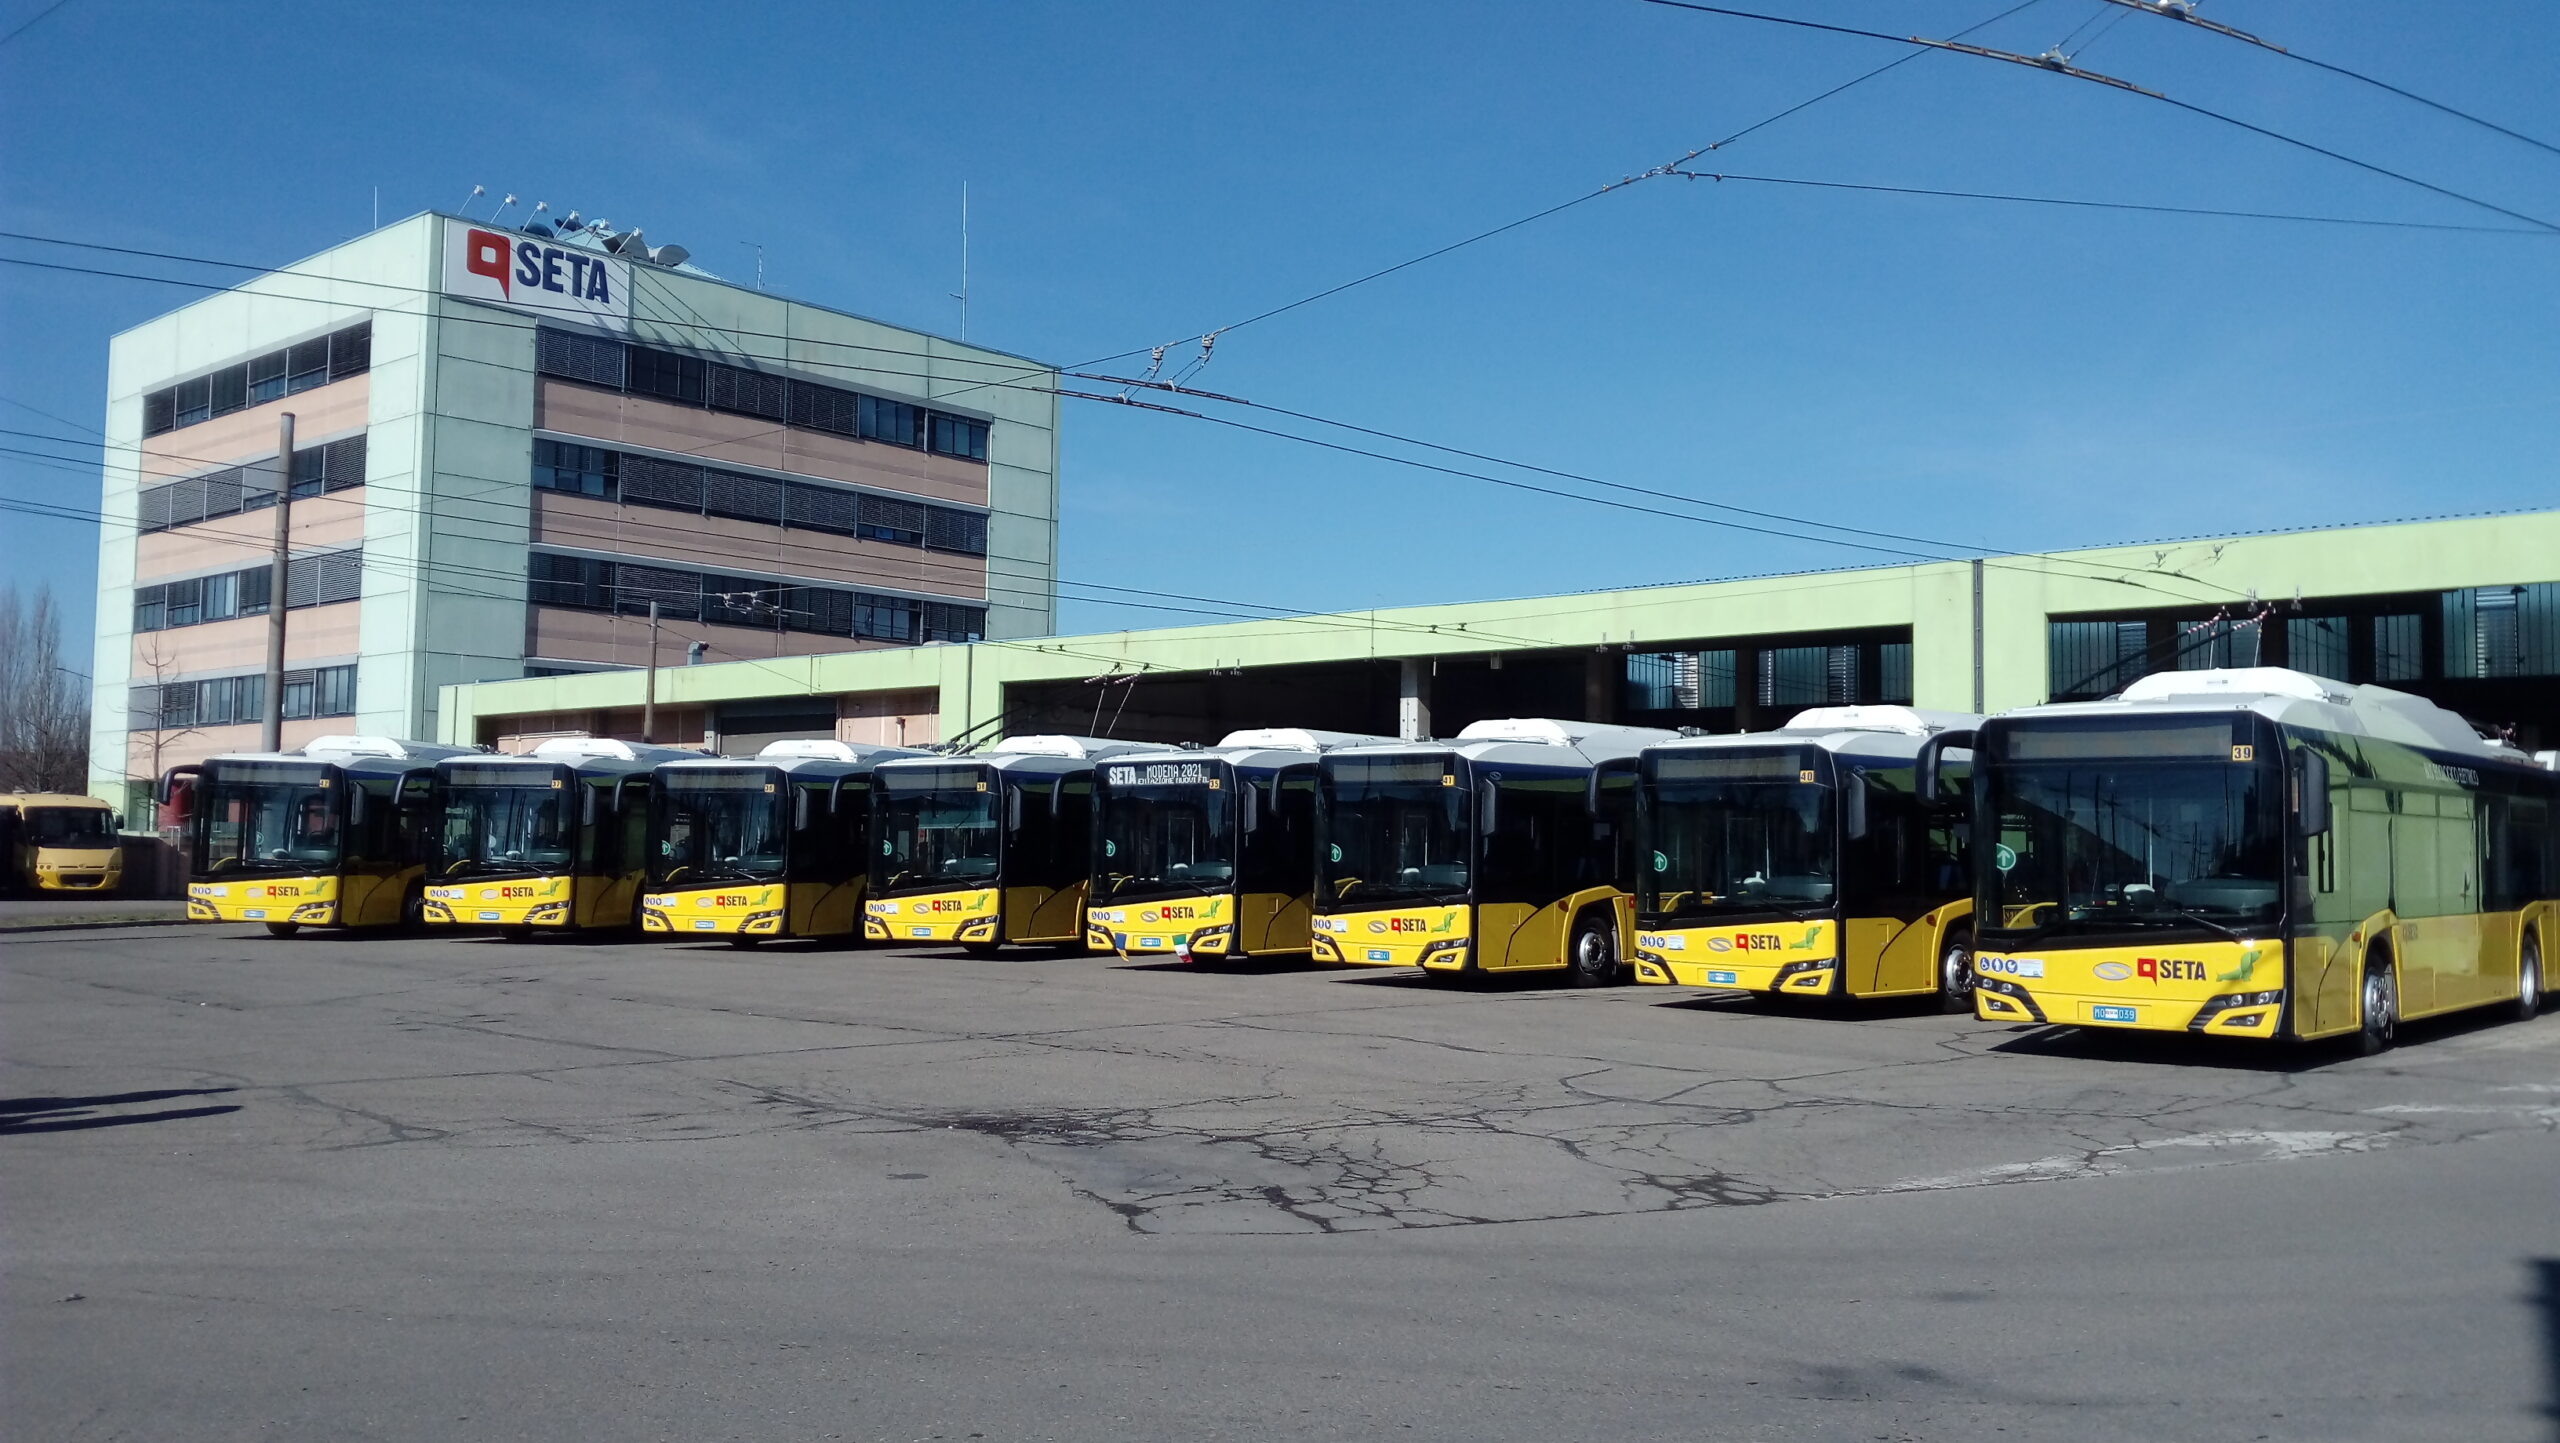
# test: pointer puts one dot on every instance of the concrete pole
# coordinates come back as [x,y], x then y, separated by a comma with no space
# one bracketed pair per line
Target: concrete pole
[1413,701]
[1977,636]
[649,698]
[271,717]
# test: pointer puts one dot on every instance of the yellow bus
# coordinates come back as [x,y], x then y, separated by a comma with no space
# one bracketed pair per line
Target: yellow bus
[338,834]
[1801,863]
[555,840]
[988,848]
[1506,849]
[1209,852]
[755,850]
[2258,853]
[53,842]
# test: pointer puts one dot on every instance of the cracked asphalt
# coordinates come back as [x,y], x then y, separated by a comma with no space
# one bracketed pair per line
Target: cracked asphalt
[404,1188]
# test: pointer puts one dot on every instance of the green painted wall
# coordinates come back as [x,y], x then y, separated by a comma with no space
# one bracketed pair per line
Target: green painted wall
[1935,600]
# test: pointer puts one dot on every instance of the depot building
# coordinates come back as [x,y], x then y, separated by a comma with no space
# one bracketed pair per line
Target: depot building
[2464,612]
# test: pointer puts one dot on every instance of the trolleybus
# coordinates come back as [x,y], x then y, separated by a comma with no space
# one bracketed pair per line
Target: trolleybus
[751,850]
[52,842]
[1801,863]
[337,834]
[1209,852]
[1505,849]
[554,840]
[2258,853]
[988,848]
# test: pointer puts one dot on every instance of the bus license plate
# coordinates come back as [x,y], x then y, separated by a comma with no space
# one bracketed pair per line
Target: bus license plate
[1381,954]
[253,913]
[706,924]
[1151,941]
[1724,979]
[2111,1014]
[919,931]
[489,916]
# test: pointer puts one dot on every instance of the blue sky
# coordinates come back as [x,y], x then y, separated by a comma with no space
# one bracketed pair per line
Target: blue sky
[1995,375]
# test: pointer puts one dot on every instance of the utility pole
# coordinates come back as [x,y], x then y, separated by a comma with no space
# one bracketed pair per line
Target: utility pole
[1977,636]
[271,717]
[649,698]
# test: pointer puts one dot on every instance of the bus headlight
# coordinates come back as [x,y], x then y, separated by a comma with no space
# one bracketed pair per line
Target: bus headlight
[1451,953]
[875,930]
[1213,939]
[1814,976]
[549,914]
[320,912]
[1999,995]
[435,911]
[1320,948]
[654,919]
[762,921]
[982,930]
[2227,1010]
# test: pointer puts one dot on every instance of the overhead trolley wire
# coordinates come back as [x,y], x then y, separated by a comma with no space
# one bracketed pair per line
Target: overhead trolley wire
[2185,15]
[2059,66]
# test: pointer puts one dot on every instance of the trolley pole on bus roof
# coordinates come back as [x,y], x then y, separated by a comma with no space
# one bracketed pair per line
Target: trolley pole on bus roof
[649,696]
[271,716]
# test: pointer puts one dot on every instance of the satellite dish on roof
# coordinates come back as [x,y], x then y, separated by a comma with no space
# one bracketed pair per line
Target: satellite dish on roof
[627,243]
[670,255]
[538,228]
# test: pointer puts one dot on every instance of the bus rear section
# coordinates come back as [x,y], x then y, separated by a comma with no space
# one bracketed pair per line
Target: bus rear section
[2259,853]
[59,844]
[1802,862]
[338,834]
[552,841]
[987,849]
[753,851]
[1208,853]
[1505,849]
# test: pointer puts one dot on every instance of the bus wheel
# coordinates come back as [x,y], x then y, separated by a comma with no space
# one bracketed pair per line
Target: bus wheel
[981,949]
[283,929]
[2381,999]
[742,943]
[1955,977]
[516,934]
[2528,981]
[1594,959]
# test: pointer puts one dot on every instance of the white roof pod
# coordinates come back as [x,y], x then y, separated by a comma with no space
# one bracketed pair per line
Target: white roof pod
[1553,732]
[587,749]
[1070,748]
[1907,721]
[1296,739]
[827,749]
[391,748]
[2293,696]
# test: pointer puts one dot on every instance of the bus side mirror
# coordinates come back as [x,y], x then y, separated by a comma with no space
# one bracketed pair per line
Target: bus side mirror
[1249,799]
[1601,775]
[1925,783]
[1013,809]
[801,798]
[1853,802]
[355,805]
[587,805]
[168,791]
[2311,792]
[1488,807]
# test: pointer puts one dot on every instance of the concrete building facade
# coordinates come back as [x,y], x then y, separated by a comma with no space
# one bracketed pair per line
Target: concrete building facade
[2465,612]
[508,444]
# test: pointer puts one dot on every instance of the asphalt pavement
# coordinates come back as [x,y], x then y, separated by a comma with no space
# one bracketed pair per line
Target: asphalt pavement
[411,1188]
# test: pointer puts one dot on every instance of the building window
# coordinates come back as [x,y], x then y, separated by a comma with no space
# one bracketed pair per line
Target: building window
[318,361]
[2318,645]
[589,584]
[2096,658]
[2502,631]
[573,356]
[668,375]
[886,518]
[2218,642]
[1680,681]
[956,436]
[891,421]
[575,581]
[1808,675]
[336,466]
[581,470]
[186,602]
[2399,648]
[884,618]
[231,700]
[1894,660]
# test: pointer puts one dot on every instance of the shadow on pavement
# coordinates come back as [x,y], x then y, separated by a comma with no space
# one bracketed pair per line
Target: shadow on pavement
[2546,1296]
[76,1114]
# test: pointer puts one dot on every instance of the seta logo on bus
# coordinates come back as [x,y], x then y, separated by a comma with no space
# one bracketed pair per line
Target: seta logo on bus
[532,274]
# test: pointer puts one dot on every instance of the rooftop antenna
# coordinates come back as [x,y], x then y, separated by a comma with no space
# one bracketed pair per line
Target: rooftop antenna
[537,225]
[758,248]
[502,208]
[962,295]
[477,191]
[377,207]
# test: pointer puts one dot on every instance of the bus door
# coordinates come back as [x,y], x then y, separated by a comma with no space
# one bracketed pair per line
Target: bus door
[1535,844]
[1275,882]
[1048,853]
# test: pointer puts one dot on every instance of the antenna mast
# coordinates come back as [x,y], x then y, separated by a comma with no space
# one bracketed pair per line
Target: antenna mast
[962,295]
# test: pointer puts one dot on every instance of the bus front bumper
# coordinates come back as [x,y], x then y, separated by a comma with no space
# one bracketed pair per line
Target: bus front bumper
[975,915]
[755,909]
[1432,937]
[310,901]
[1202,926]
[518,902]
[64,870]
[1800,959]
[2217,989]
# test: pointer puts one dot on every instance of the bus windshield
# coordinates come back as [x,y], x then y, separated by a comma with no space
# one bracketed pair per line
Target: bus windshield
[1739,833]
[270,818]
[507,820]
[1171,834]
[83,827]
[718,824]
[2129,843]
[938,827]
[1397,829]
